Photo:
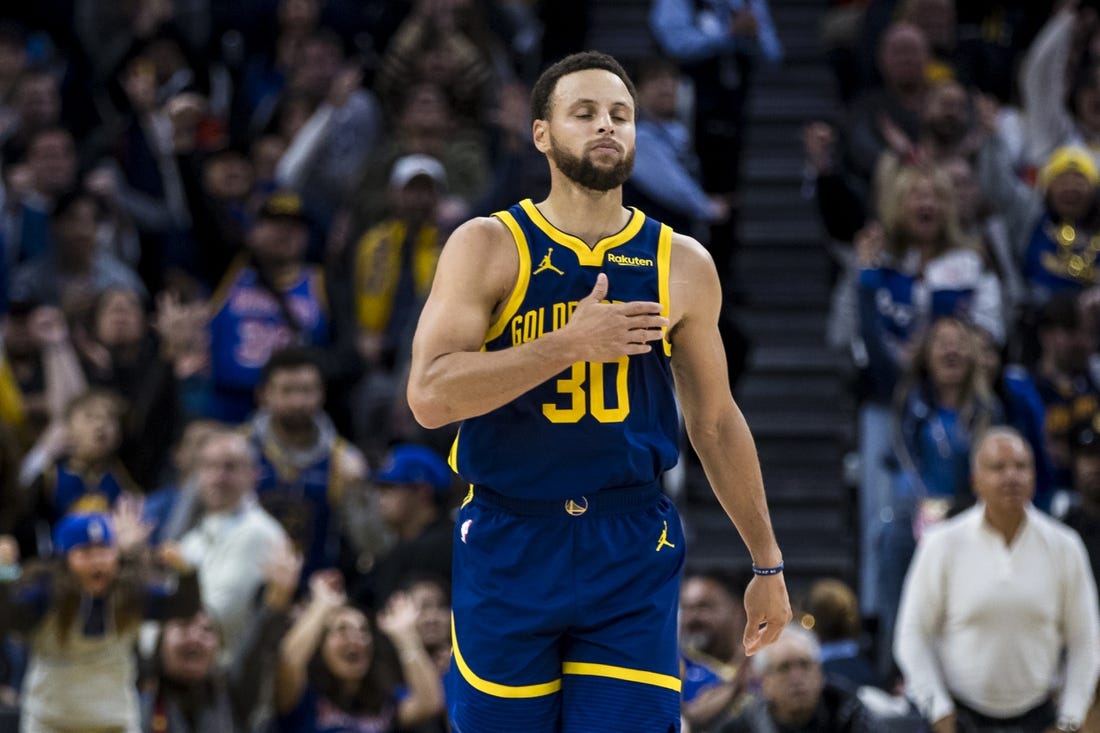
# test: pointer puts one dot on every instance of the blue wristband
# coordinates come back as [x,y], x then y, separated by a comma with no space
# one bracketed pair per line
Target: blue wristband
[767,571]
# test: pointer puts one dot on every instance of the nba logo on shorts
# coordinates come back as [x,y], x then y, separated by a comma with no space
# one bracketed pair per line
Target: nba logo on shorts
[466,529]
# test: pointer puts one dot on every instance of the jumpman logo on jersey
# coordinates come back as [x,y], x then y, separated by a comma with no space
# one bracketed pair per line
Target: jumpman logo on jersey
[662,541]
[545,264]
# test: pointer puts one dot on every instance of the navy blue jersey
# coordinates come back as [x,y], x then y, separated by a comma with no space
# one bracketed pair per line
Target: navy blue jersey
[305,501]
[595,425]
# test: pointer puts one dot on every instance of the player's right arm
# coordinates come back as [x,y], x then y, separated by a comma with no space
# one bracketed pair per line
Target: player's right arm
[452,379]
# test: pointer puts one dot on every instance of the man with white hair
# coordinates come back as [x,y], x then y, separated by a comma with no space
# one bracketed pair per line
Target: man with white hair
[795,695]
[992,600]
[235,536]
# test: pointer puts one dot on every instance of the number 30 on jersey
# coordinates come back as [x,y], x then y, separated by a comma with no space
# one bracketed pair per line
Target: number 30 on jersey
[585,391]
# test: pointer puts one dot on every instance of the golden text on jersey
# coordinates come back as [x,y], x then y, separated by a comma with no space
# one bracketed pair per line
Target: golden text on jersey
[594,425]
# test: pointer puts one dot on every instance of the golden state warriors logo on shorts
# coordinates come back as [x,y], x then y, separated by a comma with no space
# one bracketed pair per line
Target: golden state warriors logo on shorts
[576,509]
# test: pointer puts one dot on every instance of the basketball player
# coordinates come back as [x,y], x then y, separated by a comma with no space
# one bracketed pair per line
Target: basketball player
[561,334]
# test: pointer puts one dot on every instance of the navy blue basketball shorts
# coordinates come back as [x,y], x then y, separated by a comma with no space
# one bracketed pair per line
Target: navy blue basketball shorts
[565,614]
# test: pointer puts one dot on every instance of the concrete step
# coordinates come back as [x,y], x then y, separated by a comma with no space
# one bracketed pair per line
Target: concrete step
[779,107]
[797,359]
[798,450]
[782,329]
[773,170]
[795,230]
[782,295]
[796,423]
[811,257]
[785,493]
[759,390]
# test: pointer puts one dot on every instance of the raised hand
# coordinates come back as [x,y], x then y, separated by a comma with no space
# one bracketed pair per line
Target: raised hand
[282,570]
[818,142]
[131,532]
[346,81]
[326,588]
[182,330]
[870,242]
[398,619]
[601,332]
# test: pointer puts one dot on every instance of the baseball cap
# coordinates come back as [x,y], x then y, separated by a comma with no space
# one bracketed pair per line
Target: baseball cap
[411,166]
[414,464]
[77,530]
[282,204]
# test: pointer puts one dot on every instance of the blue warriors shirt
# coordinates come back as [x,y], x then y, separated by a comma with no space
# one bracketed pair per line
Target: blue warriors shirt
[595,425]
[249,325]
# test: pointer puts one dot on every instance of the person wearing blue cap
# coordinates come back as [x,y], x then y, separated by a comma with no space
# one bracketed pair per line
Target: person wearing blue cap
[81,611]
[413,484]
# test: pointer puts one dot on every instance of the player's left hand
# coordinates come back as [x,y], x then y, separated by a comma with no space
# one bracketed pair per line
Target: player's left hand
[767,611]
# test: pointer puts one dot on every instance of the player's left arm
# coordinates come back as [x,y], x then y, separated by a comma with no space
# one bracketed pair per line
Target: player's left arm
[719,433]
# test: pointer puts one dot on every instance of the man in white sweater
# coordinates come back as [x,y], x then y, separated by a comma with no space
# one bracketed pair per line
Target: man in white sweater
[235,535]
[992,599]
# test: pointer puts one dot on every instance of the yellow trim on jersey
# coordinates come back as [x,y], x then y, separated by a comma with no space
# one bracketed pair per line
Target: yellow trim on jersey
[469,497]
[588,256]
[522,279]
[452,456]
[622,673]
[664,268]
[496,689]
[221,293]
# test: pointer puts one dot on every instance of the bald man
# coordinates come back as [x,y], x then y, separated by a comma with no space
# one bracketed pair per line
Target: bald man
[992,599]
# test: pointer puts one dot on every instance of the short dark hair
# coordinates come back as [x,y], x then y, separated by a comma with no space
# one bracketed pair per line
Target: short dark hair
[289,358]
[548,80]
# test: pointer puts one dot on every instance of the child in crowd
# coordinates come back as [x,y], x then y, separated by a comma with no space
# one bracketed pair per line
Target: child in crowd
[86,476]
[81,611]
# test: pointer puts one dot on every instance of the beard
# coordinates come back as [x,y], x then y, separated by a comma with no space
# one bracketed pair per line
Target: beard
[584,173]
[295,422]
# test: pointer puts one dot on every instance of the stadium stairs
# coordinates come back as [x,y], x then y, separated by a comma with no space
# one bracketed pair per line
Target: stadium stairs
[793,394]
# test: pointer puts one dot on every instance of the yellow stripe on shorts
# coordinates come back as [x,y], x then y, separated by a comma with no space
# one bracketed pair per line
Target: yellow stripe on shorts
[495,688]
[622,673]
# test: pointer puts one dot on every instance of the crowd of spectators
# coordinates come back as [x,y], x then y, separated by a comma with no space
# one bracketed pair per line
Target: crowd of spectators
[219,221]
[957,183]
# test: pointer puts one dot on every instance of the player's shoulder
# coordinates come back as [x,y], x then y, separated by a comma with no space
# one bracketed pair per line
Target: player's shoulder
[481,254]
[688,253]
[482,232]
[692,275]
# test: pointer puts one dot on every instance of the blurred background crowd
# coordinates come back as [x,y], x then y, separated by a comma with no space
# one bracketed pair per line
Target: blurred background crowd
[219,220]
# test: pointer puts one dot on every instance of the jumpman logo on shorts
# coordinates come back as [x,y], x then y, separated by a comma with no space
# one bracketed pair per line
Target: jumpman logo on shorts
[662,541]
[545,264]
